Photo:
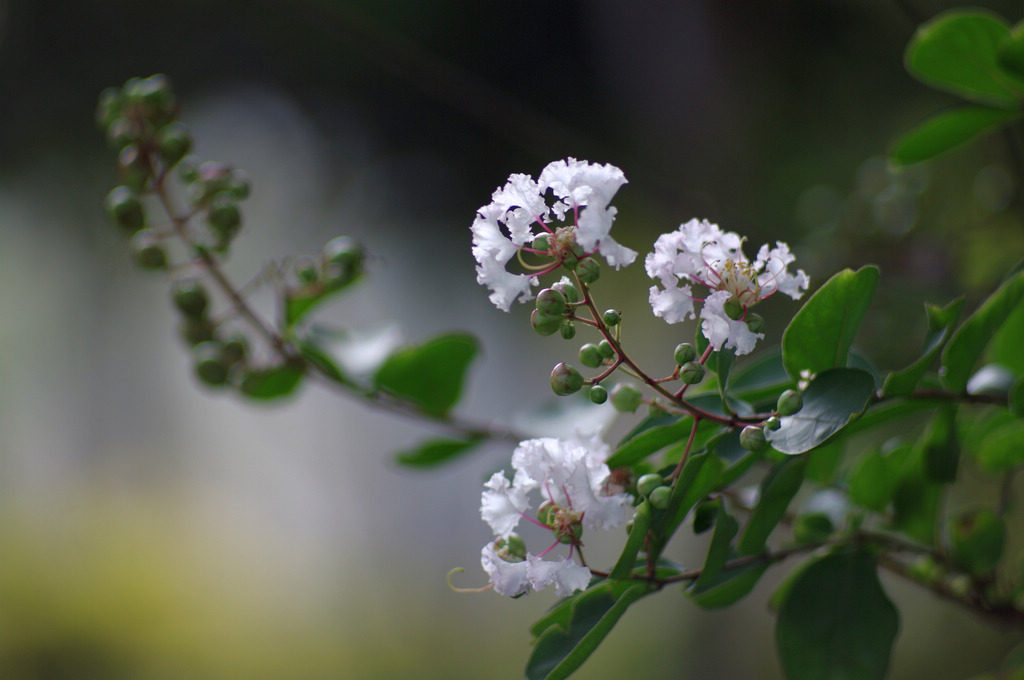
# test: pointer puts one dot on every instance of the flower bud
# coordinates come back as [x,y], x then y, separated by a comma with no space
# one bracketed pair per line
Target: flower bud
[611,317]
[190,298]
[566,288]
[733,308]
[626,398]
[773,423]
[685,353]
[979,537]
[648,483]
[541,242]
[306,271]
[606,349]
[511,550]
[659,497]
[814,527]
[108,109]
[240,187]
[545,325]
[195,331]
[223,215]
[209,363]
[789,403]
[134,167]
[174,141]
[125,209]
[588,270]
[570,534]
[235,350]
[148,250]
[568,329]
[344,251]
[752,438]
[122,132]
[188,169]
[598,394]
[590,355]
[656,408]
[565,380]
[691,372]
[551,303]
[755,323]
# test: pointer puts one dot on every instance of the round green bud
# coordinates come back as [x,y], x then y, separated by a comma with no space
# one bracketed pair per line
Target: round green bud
[691,372]
[626,398]
[188,169]
[656,408]
[108,109]
[240,186]
[551,303]
[789,403]
[570,261]
[704,517]
[813,527]
[590,355]
[209,363]
[125,209]
[174,141]
[345,251]
[545,513]
[568,329]
[235,349]
[752,438]
[190,298]
[733,308]
[134,167]
[223,215]
[598,394]
[156,97]
[685,353]
[606,349]
[122,132]
[773,423]
[659,497]
[148,250]
[648,483]
[194,331]
[542,242]
[611,317]
[566,288]
[755,323]
[588,270]
[545,325]
[565,380]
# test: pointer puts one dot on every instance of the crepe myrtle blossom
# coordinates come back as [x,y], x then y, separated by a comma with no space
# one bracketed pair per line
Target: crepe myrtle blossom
[700,253]
[577,492]
[563,216]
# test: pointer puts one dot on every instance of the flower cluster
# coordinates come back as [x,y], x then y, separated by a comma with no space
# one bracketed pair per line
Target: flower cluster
[572,228]
[576,486]
[701,253]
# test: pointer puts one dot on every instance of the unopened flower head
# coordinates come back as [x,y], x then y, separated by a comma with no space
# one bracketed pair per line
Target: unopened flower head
[562,216]
[700,253]
[573,482]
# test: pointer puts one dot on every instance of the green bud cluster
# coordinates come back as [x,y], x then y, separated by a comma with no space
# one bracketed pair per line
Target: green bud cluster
[691,372]
[685,353]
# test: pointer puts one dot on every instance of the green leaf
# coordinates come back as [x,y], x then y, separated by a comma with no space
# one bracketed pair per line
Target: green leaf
[1017,398]
[967,344]
[1002,449]
[777,490]
[323,362]
[1005,348]
[957,52]
[559,651]
[300,301]
[430,375]
[763,380]
[726,446]
[833,399]
[634,542]
[872,482]
[653,439]
[701,474]
[1011,51]
[941,449]
[271,383]
[947,130]
[720,549]
[940,326]
[915,502]
[435,452]
[820,335]
[729,586]
[836,622]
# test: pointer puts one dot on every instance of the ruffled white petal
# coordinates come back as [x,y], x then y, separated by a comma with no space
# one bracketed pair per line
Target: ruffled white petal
[567,576]
[720,330]
[509,578]
[501,505]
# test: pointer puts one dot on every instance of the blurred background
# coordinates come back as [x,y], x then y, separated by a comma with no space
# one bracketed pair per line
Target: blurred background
[150,528]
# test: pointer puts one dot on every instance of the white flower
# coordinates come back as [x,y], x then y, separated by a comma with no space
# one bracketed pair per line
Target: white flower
[571,479]
[701,253]
[519,212]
